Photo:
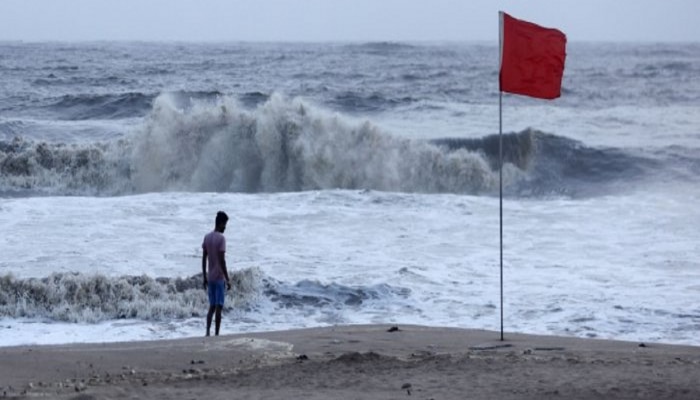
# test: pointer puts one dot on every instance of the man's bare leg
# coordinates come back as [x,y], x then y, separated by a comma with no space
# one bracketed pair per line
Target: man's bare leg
[210,314]
[218,319]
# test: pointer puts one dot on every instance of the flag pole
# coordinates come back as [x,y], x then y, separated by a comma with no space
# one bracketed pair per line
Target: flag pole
[500,161]
[500,191]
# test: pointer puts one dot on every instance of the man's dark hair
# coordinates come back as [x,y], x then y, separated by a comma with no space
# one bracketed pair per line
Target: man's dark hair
[221,218]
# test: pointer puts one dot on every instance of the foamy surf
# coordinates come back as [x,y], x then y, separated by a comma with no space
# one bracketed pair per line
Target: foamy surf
[282,145]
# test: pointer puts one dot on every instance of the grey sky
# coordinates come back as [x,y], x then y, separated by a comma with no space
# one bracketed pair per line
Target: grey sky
[342,20]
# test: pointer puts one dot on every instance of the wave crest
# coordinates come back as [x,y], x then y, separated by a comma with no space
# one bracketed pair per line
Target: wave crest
[211,143]
[85,298]
[287,145]
[75,297]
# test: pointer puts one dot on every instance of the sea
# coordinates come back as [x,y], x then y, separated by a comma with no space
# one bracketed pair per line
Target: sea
[363,184]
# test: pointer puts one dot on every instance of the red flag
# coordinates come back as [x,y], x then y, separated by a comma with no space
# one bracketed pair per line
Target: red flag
[532,58]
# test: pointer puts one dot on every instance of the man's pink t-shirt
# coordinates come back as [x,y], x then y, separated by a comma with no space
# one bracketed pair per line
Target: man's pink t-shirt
[214,242]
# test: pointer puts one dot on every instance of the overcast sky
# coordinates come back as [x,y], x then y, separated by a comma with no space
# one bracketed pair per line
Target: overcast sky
[342,20]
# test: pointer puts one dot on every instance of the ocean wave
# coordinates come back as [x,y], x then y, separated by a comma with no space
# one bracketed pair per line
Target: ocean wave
[207,142]
[363,103]
[556,165]
[64,169]
[101,106]
[85,298]
[78,107]
[12,128]
[52,80]
[253,99]
[334,295]
[288,145]
[381,48]
[218,145]
[76,297]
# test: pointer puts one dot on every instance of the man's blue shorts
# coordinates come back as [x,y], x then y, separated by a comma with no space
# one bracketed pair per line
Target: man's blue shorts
[217,292]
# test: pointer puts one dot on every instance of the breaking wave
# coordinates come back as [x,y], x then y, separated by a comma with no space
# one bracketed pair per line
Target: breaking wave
[212,143]
[77,297]
[557,165]
[286,145]
[218,145]
[29,167]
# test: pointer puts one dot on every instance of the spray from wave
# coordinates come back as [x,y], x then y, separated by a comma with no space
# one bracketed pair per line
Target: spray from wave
[286,145]
[77,297]
[29,167]
[218,145]
[88,298]
[212,143]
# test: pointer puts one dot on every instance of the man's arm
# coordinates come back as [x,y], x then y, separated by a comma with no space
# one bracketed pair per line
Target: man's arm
[204,267]
[222,262]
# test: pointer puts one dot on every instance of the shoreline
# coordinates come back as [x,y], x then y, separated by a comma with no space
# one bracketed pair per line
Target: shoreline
[355,361]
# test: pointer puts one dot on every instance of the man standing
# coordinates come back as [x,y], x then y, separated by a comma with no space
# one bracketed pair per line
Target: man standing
[216,281]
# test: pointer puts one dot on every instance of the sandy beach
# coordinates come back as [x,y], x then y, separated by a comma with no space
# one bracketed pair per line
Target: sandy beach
[354,362]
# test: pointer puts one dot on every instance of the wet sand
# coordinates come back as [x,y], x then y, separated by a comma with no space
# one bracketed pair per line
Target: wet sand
[355,362]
